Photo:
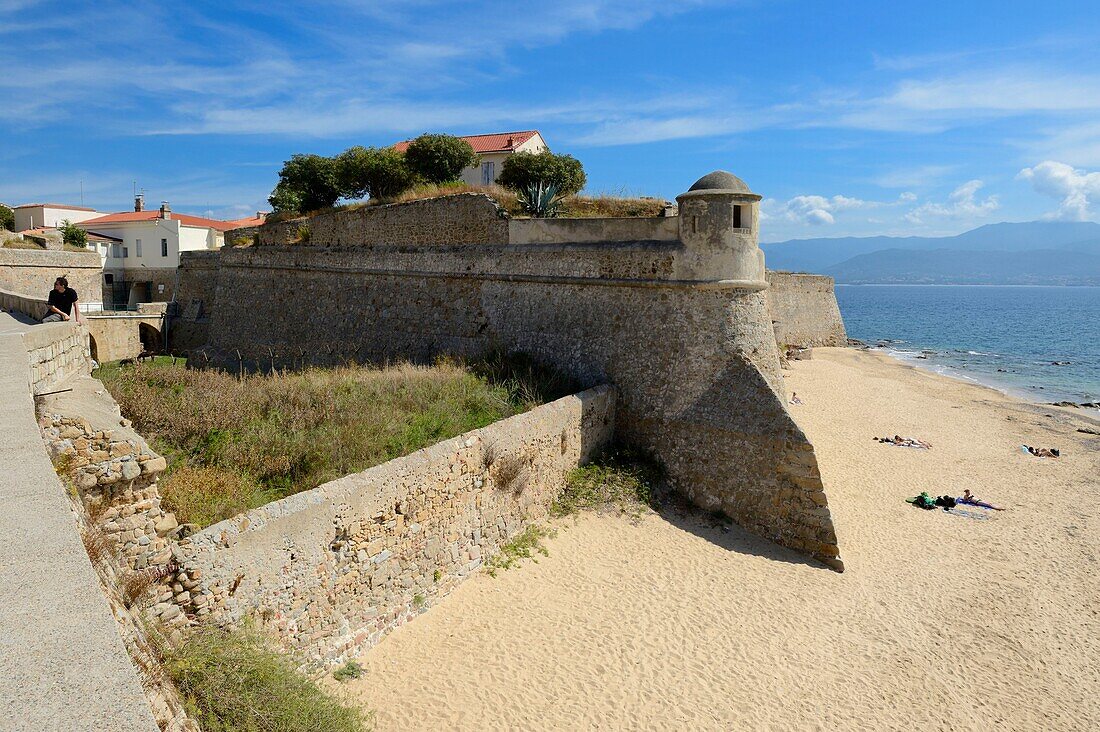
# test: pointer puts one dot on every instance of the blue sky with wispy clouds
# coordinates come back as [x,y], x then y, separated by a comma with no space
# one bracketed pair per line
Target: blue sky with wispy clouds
[850,118]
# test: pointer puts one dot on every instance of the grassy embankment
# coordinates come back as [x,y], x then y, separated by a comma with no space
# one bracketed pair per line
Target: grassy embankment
[237,443]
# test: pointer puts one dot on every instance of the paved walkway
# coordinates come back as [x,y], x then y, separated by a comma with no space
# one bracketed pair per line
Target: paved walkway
[62,663]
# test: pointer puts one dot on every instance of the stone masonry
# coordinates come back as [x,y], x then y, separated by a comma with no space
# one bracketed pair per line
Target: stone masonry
[331,570]
[679,323]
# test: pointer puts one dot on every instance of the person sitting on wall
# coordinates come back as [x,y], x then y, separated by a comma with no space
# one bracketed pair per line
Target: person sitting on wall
[63,303]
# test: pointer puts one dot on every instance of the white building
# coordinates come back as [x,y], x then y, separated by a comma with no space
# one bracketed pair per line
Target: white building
[144,248]
[50,215]
[494,149]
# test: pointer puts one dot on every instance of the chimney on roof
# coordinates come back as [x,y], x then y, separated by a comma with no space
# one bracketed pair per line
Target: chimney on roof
[511,141]
[165,210]
[139,202]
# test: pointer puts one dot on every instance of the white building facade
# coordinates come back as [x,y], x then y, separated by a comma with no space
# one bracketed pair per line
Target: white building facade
[50,215]
[140,261]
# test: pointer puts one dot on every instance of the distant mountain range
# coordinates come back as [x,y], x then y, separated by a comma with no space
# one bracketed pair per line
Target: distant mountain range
[1033,253]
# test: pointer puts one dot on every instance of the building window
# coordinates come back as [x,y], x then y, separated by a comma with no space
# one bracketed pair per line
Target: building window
[164,247]
[137,244]
[116,251]
[109,278]
[125,252]
[737,217]
[488,173]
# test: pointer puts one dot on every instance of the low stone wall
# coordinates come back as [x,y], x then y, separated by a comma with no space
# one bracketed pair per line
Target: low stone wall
[804,310]
[32,272]
[333,569]
[56,352]
[32,306]
[464,218]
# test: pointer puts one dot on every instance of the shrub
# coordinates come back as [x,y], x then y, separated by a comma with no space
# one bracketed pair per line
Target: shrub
[375,172]
[133,586]
[621,478]
[540,201]
[304,233]
[73,235]
[524,170]
[232,681]
[350,670]
[523,546]
[439,158]
[306,183]
[7,218]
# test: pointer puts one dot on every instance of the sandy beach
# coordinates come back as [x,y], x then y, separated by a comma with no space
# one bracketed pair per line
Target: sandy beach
[672,622]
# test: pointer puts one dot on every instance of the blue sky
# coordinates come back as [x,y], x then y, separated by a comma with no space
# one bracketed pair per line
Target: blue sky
[849,118]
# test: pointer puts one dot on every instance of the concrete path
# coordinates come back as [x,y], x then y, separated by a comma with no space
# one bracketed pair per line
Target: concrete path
[62,663]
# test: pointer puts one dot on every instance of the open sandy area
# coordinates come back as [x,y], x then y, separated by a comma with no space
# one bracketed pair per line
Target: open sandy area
[671,622]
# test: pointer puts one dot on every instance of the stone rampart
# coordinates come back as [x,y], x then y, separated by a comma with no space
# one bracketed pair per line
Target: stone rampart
[464,218]
[198,283]
[332,569]
[680,326]
[32,272]
[804,310]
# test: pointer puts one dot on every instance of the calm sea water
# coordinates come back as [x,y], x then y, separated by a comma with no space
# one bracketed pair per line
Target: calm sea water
[1005,337]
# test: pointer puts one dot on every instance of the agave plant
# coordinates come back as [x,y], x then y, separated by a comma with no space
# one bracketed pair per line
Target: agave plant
[540,200]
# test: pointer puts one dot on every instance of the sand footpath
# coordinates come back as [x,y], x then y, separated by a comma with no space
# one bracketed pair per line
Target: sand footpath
[671,622]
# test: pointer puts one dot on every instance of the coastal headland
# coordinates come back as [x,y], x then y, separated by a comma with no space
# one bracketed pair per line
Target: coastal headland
[941,621]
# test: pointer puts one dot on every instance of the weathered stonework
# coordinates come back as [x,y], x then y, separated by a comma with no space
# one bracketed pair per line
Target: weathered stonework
[32,272]
[56,352]
[332,569]
[198,282]
[804,310]
[680,325]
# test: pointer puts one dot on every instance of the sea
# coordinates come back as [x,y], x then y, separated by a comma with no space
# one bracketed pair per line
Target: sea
[1041,344]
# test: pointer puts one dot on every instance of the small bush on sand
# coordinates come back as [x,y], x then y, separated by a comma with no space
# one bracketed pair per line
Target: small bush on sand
[621,478]
[350,670]
[234,682]
[523,546]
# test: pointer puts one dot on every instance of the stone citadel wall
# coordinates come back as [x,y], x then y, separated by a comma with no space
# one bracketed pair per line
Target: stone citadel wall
[331,570]
[680,326]
[804,310]
[32,272]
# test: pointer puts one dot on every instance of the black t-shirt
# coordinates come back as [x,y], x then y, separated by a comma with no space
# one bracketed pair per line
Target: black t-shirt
[63,301]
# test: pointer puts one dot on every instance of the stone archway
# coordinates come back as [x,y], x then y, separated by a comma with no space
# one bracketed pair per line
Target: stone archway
[151,339]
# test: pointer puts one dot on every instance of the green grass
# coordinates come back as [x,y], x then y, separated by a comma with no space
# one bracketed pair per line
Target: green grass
[235,443]
[523,546]
[232,681]
[621,478]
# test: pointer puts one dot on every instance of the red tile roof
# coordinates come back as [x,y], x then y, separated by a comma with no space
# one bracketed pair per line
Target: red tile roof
[496,142]
[250,221]
[153,215]
[56,205]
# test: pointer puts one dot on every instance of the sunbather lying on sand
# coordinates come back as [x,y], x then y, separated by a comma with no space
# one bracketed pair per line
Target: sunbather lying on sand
[1051,452]
[794,398]
[970,499]
[904,442]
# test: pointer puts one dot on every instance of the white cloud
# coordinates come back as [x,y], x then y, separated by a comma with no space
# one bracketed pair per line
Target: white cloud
[1076,188]
[962,203]
[819,210]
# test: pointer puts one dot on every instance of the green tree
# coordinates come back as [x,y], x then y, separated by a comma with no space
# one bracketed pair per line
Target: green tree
[374,172]
[7,218]
[439,158]
[73,235]
[306,182]
[524,170]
